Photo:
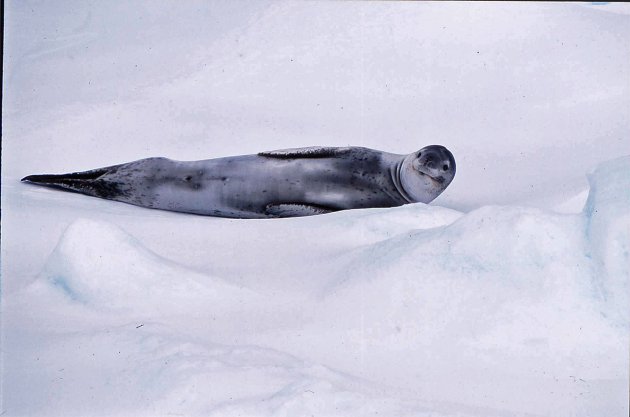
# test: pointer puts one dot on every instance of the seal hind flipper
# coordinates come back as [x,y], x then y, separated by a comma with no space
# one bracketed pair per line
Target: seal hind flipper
[295,210]
[309,152]
[86,182]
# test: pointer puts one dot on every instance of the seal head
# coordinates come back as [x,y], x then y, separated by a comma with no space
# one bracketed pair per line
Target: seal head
[423,175]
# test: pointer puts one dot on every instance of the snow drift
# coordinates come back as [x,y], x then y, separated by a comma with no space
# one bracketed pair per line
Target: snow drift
[504,310]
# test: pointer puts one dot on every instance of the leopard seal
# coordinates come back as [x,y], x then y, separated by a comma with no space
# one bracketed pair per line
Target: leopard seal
[281,183]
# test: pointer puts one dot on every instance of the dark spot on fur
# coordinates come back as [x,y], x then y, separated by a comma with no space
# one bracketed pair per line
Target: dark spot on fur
[107,189]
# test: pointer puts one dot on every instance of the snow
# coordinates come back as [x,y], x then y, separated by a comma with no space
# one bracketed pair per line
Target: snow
[608,220]
[508,295]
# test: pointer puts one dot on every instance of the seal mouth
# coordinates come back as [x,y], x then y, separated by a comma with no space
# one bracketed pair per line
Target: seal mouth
[439,180]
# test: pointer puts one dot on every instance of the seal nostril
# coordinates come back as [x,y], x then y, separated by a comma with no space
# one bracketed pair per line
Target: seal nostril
[445,167]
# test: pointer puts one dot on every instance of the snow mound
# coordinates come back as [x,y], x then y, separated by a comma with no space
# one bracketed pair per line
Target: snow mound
[101,266]
[502,294]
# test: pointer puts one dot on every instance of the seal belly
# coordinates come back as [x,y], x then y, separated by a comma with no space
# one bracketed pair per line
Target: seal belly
[248,185]
[240,186]
[337,183]
[211,187]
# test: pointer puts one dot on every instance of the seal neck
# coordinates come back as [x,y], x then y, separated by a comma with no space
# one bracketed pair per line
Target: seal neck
[396,173]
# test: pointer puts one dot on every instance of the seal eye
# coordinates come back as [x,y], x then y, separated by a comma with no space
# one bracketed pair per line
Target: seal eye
[445,167]
[419,154]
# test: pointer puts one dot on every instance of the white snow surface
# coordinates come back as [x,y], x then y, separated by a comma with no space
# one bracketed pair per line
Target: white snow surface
[507,296]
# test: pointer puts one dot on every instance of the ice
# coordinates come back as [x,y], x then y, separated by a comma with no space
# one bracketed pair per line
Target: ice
[506,296]
[608,219]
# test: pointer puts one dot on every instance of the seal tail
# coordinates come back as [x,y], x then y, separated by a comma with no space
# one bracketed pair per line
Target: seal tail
[87,182]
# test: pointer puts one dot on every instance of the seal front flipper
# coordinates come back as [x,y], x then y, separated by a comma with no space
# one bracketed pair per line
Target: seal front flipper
[295,210]
[309,152]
